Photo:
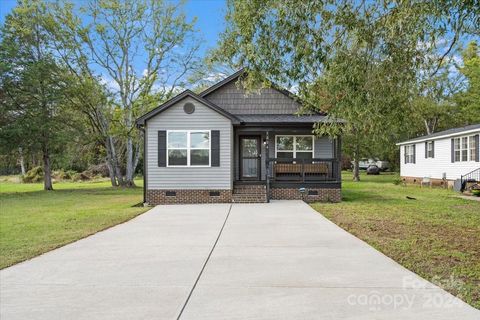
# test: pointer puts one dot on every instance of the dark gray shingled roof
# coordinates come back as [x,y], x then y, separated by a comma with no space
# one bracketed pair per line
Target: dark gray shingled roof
[271,106]
[284,118]
[448,132]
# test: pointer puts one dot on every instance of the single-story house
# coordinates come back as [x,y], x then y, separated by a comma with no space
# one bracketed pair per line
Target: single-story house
[227,145]
[441,157]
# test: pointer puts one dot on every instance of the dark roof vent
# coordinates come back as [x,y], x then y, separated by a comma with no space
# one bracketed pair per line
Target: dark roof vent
[189,108]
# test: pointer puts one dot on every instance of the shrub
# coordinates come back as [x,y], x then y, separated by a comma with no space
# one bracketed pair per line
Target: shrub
[70,173]
[60,175]
[397,181]
[97,170]
[476,192]
[33,175]
[80,177]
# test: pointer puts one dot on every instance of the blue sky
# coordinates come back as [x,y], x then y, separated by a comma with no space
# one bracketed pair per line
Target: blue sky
[210,18]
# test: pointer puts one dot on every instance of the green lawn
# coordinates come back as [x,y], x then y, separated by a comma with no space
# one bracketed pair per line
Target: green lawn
[436,236]
[33,221]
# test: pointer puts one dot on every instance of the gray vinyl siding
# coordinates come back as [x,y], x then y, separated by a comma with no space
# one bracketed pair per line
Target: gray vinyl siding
[237,101]
[324,148]
[203,118]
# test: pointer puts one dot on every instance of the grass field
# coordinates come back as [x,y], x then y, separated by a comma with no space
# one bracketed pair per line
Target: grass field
[33,221]
[436,236]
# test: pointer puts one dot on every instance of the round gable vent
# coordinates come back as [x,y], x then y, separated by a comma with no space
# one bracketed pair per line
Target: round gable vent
[189,107]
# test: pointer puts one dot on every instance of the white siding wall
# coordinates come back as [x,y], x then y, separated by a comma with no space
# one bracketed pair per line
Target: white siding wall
[175,118]
[435,167]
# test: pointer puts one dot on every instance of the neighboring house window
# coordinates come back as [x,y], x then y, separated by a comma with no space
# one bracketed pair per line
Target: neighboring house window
[430,149]
[410,153]
[188,148]
[473,148]
[294,147]
[464,149]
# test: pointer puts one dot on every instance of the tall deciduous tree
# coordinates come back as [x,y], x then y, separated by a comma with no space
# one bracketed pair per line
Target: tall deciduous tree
[469,100]
[35,114]
[357,60]
[144,50]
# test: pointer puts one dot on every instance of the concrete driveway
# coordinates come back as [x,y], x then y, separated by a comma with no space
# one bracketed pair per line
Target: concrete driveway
[244,261]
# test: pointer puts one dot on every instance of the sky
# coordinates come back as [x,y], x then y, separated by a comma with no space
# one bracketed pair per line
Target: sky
[210,18]
[210,15]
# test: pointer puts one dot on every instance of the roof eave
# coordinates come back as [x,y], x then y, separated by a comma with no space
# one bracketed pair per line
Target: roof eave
[141,120]
[222,83]
[427,138]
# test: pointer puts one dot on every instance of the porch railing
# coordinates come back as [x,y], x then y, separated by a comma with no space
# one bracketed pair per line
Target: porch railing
[473,176]
[303,170]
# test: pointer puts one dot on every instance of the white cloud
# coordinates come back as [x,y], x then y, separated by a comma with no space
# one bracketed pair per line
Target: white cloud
[110,83]
[214,77]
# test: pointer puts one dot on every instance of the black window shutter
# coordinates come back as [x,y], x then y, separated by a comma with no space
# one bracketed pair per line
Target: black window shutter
[477,147]
[162,148]
[404,154]
[426,149]
[414,154]
[453,151]
[433,149]
[215,148]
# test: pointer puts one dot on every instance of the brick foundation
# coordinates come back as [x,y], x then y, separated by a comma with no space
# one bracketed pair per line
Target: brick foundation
[434,182]
[323,195]
[184,196]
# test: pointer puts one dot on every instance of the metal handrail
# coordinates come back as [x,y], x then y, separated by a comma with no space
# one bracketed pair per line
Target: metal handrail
[472,176]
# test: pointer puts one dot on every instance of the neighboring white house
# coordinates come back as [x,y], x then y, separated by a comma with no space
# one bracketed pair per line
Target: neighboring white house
[445,155]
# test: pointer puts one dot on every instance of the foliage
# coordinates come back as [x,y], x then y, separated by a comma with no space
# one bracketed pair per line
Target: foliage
[436,236]
[358,61]
[142,50]
[33,175]
[469,101]
[34,105]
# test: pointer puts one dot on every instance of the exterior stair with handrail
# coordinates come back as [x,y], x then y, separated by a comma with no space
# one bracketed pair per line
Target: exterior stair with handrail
[470,180]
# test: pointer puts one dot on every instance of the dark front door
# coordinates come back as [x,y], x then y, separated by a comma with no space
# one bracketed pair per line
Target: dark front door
[250,158]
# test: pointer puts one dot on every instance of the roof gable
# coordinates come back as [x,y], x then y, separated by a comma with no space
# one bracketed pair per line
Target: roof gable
[234,99]
[187,93]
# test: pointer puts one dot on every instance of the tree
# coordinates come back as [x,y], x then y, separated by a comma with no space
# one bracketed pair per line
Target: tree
[144,50]
[469,100]
[357,60]
[34,108]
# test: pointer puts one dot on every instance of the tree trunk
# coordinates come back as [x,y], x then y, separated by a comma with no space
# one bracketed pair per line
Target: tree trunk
[115,162]
[22,161]
[136,158]
[129,165]
[110,164]
[47,171]
[356,160]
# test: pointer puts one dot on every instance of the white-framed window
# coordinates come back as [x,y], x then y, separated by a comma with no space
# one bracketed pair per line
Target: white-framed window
[410,153]
[430,149]
[464,149]
[294,146]
[473,148]
[188,148]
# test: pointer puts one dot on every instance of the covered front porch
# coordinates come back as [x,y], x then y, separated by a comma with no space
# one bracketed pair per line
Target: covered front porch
[288,160]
